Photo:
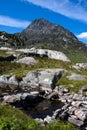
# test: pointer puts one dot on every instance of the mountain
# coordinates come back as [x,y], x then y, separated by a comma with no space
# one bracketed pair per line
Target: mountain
[44,34]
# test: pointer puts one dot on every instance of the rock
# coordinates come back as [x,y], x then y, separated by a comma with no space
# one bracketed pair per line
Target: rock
[78,97]
[27,60]
[71,110]
[45,79]
[47,53]
[65,107]
[79,66]
[47,119]
[82,115]
[64,115]
[57,113]
[13,82]
[11,99]
[53,96]
[6,48]
[76,103]
[62,89]
[76,121]
[22,100]
[75,76]
[4,80]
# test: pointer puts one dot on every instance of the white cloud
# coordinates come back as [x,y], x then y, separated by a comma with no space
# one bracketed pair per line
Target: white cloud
[65,7]
[7,21]
[82,35]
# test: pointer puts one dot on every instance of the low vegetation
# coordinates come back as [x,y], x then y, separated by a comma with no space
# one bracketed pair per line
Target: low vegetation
[13,119]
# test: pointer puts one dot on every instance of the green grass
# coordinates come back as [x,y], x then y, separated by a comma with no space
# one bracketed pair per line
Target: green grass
[73,85]
[60,126]
[3,53]
[20,69]
[14,119]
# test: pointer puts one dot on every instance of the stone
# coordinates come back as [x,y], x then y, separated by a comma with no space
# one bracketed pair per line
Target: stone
[45,79]
[27,60]
[82,115]
[76,122]
[79,66]
[65,107]
[11,98]
[76,103]
[47,53]
[3,80]
[77,97]
[75,76]
[47,119]
[64,115]
[53,96]
[57,113]
[71,110]
[13,82]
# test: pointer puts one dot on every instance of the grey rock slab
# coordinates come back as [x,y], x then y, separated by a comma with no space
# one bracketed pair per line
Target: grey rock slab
[75,76]
[45,52]
[27,60]
[13,81]
[76,122]
[82,115]
[45,78]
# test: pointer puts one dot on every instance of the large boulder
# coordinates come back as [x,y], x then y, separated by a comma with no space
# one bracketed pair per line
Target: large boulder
[47,53]
[27,60]
[45,79]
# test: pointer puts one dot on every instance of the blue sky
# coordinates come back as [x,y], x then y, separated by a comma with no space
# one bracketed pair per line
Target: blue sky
[16,15]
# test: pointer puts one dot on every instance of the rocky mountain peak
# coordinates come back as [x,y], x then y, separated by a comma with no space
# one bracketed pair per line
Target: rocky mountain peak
[47,29]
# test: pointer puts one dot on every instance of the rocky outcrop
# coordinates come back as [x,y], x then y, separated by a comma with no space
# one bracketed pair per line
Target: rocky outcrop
[46,79]
[75,76]
[46,53]
[27,60]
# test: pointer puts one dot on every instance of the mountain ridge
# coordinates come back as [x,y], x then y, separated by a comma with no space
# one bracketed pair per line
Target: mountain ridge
[45,35]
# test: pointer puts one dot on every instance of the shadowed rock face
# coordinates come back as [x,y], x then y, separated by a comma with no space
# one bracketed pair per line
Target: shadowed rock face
[7,58]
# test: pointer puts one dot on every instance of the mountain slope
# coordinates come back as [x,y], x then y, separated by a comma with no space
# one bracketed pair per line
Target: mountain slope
[43,34]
